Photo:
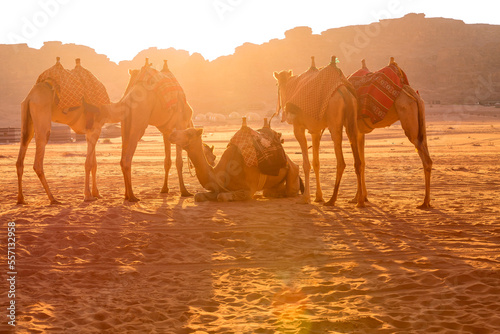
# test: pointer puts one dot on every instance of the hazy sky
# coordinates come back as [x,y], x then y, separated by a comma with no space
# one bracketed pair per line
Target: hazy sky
[120,29]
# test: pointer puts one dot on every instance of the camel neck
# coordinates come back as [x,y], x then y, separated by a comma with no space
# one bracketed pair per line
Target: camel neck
[204,171]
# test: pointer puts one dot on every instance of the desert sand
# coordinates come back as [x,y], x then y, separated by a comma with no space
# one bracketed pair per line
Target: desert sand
[170,265]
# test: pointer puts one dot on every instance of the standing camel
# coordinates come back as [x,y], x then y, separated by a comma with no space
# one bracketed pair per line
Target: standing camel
[408,108]
[338,108]
[43,105]
[232,179]
[152,98]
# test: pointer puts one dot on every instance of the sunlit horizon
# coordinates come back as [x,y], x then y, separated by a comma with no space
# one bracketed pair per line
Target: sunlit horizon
[212,28]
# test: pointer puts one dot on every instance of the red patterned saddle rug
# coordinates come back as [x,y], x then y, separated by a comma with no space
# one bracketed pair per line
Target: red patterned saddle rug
[377,91]
[311,90]
[72,86]
[260,149]
[164,83]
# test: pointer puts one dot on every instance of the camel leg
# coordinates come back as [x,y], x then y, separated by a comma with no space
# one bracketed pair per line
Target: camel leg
[178,165]
[239,195]
[408,113]
[27,133]
[316,138]
[130,138]
[91,166]
[361,148]
[95,191]
[42,124]
[301,138]
[167,163]
[336,133]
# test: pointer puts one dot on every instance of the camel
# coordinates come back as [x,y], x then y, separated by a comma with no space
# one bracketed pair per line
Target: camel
[341,110]
[232,179]
[409,109]
[38,109]
[142,105]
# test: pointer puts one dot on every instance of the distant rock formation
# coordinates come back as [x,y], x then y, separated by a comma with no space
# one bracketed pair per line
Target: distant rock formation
[446,60]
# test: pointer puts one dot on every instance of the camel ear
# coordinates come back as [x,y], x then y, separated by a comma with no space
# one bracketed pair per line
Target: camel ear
[212,148]
[275,74]
[130,71]
[199,132]
[291,73]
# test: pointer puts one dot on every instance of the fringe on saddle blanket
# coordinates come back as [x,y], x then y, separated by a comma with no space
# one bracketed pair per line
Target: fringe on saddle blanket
[311,91]
[261,148]
[377,91]
[72,86]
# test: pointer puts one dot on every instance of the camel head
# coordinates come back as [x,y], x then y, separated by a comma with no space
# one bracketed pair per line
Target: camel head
[185,138]
[282,80]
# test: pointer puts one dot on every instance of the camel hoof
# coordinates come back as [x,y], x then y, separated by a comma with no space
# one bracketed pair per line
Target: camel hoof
[329,203]
[164,190]
[425,206]
[21,202]
[354,200]
[304,200]
[186,194]
[319,200]
[55,202]
[90,199]
[361,205]
[133,199]
[97,196]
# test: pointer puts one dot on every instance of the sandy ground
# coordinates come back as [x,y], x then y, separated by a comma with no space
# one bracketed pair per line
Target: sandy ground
[169,265]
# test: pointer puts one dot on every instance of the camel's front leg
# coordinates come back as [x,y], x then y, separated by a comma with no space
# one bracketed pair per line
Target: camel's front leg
[316,138]
[301,138]
[91,165]
[239,195]
[130,137]
[178,165]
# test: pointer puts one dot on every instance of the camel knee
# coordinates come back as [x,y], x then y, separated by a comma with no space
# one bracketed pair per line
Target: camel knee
[38,168]
[20,167]
[125,165]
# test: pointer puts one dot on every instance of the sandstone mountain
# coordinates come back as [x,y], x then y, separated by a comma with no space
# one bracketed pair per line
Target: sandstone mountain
[446,60]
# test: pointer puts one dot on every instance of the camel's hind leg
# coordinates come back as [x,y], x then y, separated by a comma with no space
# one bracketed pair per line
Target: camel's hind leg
[316,139]
[27,132]
[301,138]
[91,166]
[362,166]
[411,114]
[42,124]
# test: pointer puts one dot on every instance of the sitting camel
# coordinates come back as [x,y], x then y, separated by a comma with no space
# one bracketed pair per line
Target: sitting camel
[307,105]
[408,108]
[232,179]
[152,98]
[43,105]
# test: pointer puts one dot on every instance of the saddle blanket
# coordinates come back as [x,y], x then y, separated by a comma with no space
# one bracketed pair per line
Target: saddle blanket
[377,91]
[311,90]
[164,83]
[260,149]
[72,86]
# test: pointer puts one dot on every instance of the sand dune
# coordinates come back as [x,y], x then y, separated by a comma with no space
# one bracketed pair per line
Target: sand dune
[169,265]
